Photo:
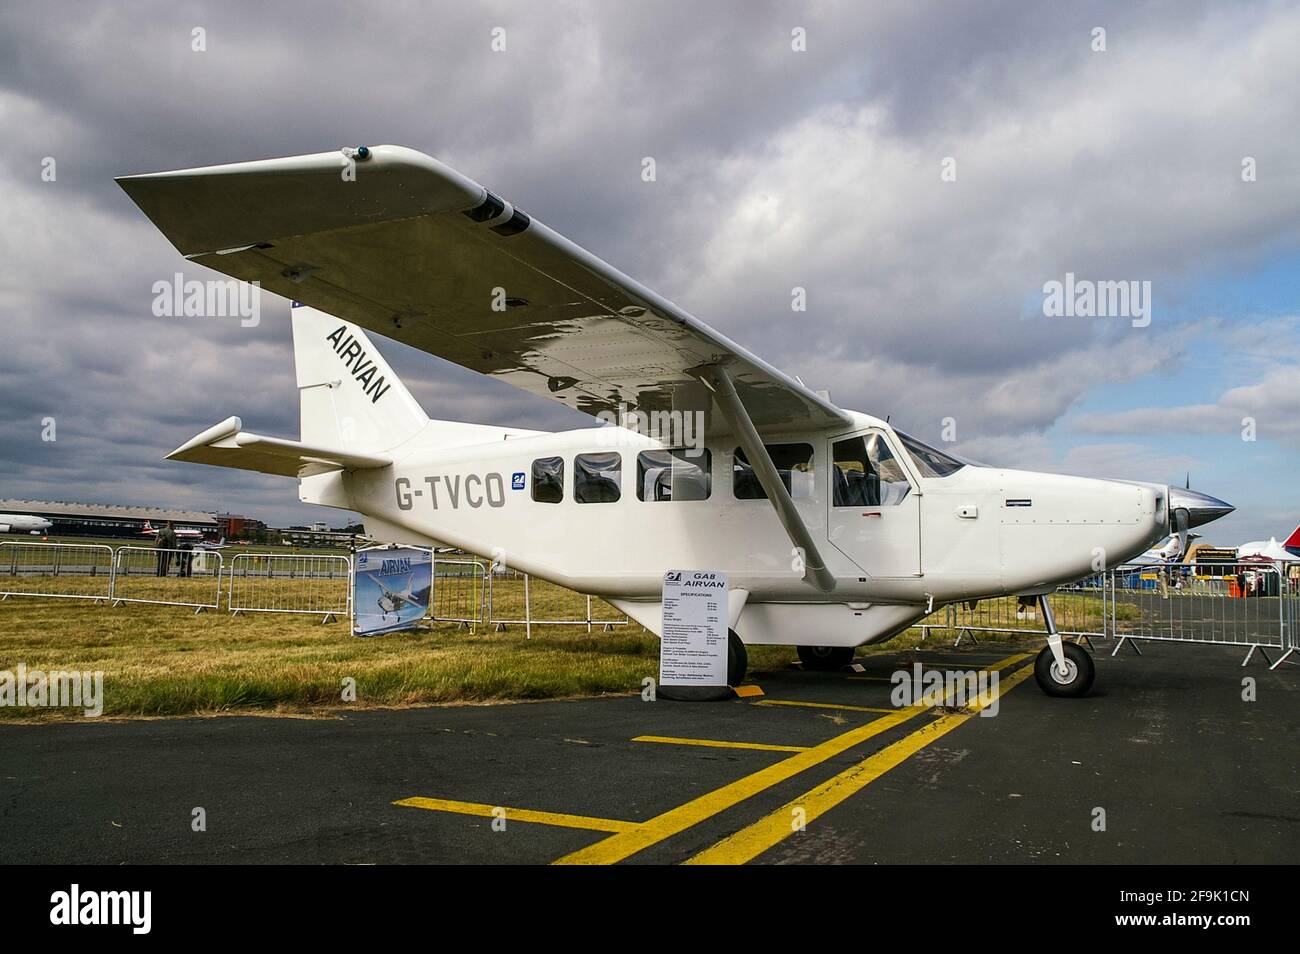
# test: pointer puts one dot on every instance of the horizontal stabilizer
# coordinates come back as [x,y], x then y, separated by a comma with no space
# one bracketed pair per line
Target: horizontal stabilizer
[228,445]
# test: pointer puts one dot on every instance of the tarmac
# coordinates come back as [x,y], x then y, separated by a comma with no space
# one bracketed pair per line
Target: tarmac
[1165,762]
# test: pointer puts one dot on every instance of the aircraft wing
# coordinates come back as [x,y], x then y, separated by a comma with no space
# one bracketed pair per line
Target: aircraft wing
[228,445]
[414,251]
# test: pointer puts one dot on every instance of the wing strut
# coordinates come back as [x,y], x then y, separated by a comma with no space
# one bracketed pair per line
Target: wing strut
[733,409]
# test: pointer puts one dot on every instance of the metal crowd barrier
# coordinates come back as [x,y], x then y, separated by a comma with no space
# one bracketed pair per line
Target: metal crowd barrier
[72,571]
[312,584]
[514,597]
[167,576]
[460,591]
[1081,611]
[1252,606]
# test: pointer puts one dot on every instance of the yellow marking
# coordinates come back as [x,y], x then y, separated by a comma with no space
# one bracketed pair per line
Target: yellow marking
[748,692]
[821,705]
[748,843]
[623,845]
[519,814]
[711,743]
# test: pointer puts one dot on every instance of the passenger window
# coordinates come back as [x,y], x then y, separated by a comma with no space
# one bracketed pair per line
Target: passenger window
[548,480]
[866,473]
[673,475]
[596,477]
[794,462]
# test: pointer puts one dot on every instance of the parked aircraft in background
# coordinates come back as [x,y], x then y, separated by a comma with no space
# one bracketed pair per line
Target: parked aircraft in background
[834,528]
[182,533]
[23,523]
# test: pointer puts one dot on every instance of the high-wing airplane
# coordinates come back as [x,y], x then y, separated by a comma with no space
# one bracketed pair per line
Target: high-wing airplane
[834,528]
[391,600]
[23,523]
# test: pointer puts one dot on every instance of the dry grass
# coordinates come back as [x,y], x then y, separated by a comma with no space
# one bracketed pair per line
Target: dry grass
[166,661]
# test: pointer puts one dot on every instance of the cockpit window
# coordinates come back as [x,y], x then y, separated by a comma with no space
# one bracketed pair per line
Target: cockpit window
[930,461]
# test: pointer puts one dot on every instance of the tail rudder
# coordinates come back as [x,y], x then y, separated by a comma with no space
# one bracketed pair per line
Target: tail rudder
[349,396]
[1293,541]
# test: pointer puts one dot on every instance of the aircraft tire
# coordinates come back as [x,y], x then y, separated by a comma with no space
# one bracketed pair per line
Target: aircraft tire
[825,658]
[737,659]
[737,665]
[1080,678]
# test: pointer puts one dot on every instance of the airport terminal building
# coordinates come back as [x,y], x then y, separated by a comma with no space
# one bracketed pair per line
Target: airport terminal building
[109,520]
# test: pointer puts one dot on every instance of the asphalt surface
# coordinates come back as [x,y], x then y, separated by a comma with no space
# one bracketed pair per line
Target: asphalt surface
[1184,770]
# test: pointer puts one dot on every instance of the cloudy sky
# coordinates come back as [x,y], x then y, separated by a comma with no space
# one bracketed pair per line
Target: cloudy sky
[775,167]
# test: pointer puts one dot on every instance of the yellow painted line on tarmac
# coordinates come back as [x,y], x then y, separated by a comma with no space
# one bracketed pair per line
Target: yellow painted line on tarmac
[624,844]
[559,819]
[821,705]
[719,744]
[748,843]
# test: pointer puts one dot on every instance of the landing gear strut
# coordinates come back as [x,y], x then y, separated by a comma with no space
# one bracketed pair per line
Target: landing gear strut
[1062,669]
[825,658]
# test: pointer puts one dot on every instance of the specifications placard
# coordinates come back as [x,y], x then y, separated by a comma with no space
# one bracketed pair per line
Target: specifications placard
[693,649]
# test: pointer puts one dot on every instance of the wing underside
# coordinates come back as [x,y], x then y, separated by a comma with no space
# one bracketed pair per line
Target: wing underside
[412,250]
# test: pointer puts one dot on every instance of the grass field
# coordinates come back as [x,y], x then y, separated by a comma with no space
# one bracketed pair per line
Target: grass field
[167,661]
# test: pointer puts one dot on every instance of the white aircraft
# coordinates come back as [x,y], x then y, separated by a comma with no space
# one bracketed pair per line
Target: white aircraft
[182,533]
[23,523]
[834,528]
[1172,550]
[391,601]
[1286,552]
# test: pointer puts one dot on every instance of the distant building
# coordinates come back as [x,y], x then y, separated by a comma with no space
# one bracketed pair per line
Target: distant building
[235,527]
[109,520]
[314,537]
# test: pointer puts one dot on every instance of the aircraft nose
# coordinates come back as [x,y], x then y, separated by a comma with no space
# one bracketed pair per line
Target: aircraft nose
[1201,508]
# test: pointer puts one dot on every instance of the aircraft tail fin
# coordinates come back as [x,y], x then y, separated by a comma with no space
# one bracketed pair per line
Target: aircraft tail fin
[349,396]
[1293,540]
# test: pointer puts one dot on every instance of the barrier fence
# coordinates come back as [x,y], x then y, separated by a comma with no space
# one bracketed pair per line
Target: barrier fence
[518,599]
[460,591]
[73,571]
[310,584]
[1252,606]
[168,577]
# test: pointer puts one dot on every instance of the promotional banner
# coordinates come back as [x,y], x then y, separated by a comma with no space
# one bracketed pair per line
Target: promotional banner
[693,649]
[391,589]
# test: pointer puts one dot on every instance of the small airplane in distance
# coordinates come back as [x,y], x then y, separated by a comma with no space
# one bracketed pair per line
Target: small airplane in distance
[834,528]
[1288,551]
[1172,550]
[23,523]
[182,533]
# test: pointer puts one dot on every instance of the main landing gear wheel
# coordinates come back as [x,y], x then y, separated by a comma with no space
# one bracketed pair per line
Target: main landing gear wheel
[1077,678]
[737,666]
[737,659]
[825,658]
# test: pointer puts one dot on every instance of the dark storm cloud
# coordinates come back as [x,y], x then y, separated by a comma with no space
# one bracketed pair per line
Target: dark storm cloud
[775,169]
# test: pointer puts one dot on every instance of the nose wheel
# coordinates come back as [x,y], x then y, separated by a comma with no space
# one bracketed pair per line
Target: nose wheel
[1062,669]
[825,658]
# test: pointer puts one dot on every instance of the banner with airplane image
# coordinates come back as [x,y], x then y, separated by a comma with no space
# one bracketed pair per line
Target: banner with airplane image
[391,589]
